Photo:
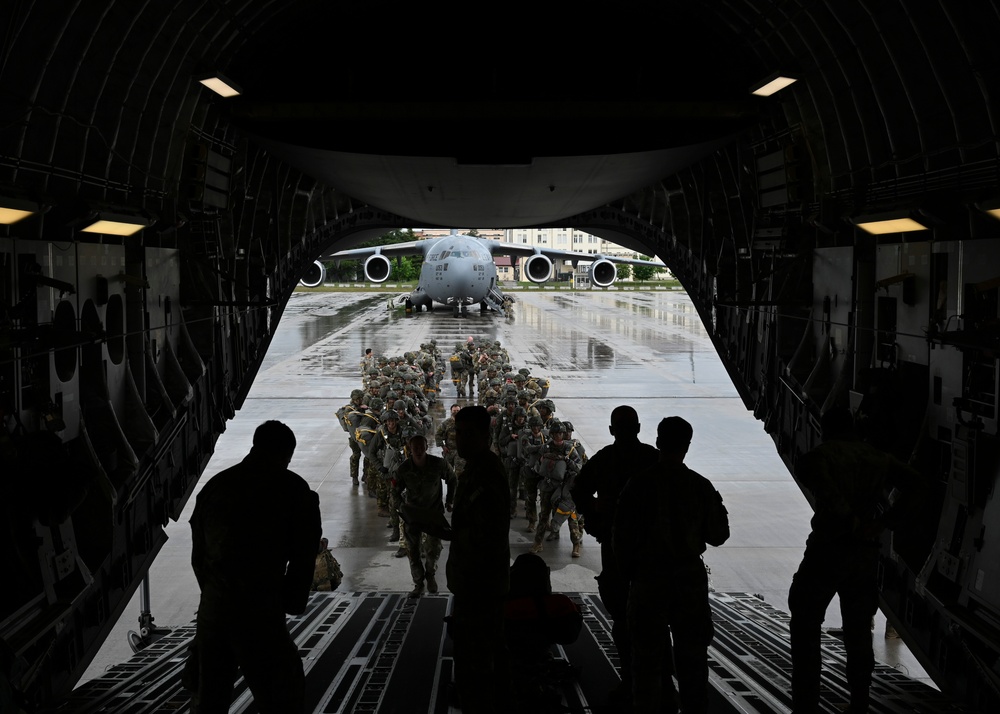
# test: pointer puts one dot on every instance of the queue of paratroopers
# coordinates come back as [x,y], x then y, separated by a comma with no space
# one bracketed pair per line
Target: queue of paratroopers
[392,407]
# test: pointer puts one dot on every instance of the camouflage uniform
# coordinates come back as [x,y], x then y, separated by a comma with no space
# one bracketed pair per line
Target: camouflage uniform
[389,452]
[530,443]
[487,382]
[422,487]
[364,434]
[557,466]
[446,439]
[507,443]
[429,383]
[459,377]
[349,416]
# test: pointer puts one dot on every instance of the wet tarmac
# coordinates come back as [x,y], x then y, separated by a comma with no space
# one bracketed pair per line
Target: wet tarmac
[599,349]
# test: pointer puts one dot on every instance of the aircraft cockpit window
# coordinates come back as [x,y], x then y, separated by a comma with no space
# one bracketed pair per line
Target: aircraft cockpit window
[444,254]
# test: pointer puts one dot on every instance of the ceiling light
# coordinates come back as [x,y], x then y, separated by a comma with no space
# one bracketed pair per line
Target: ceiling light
[893,222]
[991,207]
[10,216]
[115,225]
[223,86]
[13,210]
[774,83]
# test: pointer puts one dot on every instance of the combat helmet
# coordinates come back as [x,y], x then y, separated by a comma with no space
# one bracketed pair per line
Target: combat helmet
[535,421]
[357,394]
[519,412]
[376,404]
[556,426]
[390,415]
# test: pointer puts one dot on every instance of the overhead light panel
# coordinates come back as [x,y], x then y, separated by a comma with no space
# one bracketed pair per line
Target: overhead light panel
[115,225]
[13,210]
[221,85]
[882,223]
[774,83]
[991,207]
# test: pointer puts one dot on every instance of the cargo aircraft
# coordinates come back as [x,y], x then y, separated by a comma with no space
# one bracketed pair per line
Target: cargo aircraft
[458,269]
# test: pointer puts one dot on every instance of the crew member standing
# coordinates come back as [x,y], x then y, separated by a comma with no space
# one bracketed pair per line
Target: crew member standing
[850,483]
[257,507]
[666,515]
[596,493]
[478,569]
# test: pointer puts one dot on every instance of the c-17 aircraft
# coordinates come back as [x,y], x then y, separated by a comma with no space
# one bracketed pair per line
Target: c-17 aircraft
[458,269]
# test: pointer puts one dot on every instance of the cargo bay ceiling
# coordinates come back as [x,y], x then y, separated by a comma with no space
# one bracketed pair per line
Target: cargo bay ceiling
[520,115]
[631,120]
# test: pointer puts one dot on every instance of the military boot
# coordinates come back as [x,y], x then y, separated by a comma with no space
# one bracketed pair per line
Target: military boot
[576,550]
[553,535]
[417,573]
[531,525]
[429,569]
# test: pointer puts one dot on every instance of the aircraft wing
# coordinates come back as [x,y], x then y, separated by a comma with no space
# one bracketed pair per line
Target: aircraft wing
[413,247]
[501,248]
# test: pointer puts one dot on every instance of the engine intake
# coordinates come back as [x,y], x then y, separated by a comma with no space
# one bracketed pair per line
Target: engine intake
[314,276]
[377,268]
[603,273]
[538,268]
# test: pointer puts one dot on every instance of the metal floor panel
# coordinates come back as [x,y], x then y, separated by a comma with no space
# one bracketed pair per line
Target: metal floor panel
[384,653]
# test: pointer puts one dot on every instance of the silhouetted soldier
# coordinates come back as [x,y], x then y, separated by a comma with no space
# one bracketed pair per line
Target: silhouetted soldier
[535,618]
[420,483]
[850,483]
[666,516]
[479,569]
[259,509]
[596,493]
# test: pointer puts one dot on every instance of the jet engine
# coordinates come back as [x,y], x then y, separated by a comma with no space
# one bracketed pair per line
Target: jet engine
[314,276]
[603,272]
[538,268]
[377,268]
